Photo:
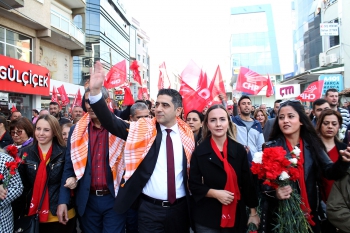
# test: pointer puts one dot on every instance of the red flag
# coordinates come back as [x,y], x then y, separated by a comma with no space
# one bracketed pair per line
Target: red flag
[217,87]
[191,74]
[63,94]
[13,109]
[163,77]
[77,100]
[312,92]
[202,81]
[128,98]
[250,82]
[135,70]
[54,97]
[269,91]
[143,93]
[193,100]
[116,75]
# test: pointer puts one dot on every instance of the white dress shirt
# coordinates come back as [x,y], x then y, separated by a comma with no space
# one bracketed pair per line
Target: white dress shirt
[157,185]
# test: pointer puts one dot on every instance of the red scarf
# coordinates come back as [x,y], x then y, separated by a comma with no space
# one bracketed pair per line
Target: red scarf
[228,216]
[305,206]
[38,189]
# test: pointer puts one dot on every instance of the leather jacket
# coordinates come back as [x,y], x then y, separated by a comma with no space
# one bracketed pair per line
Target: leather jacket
[330,170]
[28,172]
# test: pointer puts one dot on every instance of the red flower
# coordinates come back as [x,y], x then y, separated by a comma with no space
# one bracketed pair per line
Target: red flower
[13,172]
[24,155]
[1,176]
[294,173]
[12,150]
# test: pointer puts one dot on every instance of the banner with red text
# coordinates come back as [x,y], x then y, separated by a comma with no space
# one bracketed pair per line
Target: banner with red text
[64,96]
[143,93]
[54,97]
[217,88]
[134,67]
[163,81]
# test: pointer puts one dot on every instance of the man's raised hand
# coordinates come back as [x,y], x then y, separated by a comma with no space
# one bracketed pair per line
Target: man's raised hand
[97,77]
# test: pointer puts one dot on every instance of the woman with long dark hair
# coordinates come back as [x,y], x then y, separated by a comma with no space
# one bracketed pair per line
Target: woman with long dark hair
[45,160]
[220,180]
[293,128]
[195,119]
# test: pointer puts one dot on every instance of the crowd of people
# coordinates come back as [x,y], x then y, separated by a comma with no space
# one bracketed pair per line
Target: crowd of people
[150,168]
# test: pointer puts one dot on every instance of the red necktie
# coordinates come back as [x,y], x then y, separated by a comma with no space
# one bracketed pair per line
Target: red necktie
[171,168]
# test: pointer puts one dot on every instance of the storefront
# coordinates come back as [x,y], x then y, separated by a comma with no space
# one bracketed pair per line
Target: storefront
[21,85]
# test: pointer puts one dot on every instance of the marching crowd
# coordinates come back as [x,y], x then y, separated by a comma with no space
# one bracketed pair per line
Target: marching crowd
[152,169]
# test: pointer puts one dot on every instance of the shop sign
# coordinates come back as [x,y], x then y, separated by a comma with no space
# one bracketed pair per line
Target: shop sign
[332,81]
[23,77]
[287,91]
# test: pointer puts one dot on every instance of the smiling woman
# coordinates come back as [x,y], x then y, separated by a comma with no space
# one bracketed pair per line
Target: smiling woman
[293,128]
[47,151]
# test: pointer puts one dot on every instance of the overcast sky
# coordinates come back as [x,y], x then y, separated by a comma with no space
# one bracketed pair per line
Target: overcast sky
[183,30]
[200,30]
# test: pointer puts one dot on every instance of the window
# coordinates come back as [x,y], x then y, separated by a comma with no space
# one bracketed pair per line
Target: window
[143,59]
[138,57]
[138,40]
[15,45]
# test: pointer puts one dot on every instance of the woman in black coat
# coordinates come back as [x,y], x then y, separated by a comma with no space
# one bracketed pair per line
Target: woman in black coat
[293,128]
[5,137]
[220,180]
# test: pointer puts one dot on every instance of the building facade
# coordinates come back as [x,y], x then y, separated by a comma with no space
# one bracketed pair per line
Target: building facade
[38,35]
[261,40]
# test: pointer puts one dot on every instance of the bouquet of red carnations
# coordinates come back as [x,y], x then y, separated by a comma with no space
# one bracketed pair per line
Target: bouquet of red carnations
[277,169]
[12,166]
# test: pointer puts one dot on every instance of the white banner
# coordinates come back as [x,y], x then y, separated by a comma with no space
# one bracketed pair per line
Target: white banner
[287,91]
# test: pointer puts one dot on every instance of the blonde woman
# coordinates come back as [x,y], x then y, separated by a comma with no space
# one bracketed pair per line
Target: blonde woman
[220,180]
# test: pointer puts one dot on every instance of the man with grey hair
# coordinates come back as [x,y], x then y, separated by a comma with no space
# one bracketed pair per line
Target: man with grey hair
[138,110]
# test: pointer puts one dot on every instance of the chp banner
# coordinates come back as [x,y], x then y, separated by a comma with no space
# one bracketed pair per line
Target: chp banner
[54,97]
[250,82]
[143,93]
[312,92]
[163,81]
[116,75]
[63,94]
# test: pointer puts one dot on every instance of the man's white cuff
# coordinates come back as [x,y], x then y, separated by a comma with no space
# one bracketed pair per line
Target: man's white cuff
[93,99]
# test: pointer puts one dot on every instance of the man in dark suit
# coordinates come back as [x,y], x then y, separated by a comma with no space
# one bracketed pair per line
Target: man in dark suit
[160,208]
[94,188]
[268,128]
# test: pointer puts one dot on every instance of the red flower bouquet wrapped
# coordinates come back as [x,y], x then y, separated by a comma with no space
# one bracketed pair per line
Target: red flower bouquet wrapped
[13,165]
[277,168]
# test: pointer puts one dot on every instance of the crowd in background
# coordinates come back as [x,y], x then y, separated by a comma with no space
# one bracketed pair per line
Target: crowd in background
[101,173]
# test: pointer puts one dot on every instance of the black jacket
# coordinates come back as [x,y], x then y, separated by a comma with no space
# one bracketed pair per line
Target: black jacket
[6,140]
[129,193]
[330,170]
[28,172]
[207,172]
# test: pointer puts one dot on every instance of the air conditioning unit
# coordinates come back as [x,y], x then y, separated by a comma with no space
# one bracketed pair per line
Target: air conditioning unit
[331,58]
[322,59]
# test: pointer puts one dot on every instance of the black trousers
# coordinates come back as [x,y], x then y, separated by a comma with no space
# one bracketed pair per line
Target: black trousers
[154,218]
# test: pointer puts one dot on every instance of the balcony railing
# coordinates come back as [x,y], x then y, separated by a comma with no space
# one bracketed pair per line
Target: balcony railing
[67,26]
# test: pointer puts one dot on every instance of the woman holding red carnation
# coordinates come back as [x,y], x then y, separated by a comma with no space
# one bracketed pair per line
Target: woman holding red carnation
[45,160]
[220,180]
[293,128]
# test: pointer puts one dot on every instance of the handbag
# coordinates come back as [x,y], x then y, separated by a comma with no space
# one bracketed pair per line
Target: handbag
[30,224]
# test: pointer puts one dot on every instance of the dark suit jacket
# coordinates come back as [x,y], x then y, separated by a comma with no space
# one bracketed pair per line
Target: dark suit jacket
[82,191]
[207,172]
[128,193]
[268,128]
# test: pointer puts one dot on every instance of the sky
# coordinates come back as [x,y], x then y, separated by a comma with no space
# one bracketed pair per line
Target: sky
[183,30]
[200,30]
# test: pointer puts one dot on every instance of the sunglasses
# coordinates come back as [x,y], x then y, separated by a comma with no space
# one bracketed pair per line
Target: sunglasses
[18,132]
[284,103]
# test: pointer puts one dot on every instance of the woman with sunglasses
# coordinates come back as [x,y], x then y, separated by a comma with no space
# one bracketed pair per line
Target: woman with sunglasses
[220,180]
[328,125]
[293,128]
[5,138]
[45,160]
[21,131]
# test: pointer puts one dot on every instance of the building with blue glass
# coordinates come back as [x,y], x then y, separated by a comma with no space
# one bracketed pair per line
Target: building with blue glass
[261,40]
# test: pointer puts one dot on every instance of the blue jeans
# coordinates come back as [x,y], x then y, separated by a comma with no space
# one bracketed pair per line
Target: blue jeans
[99,216]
